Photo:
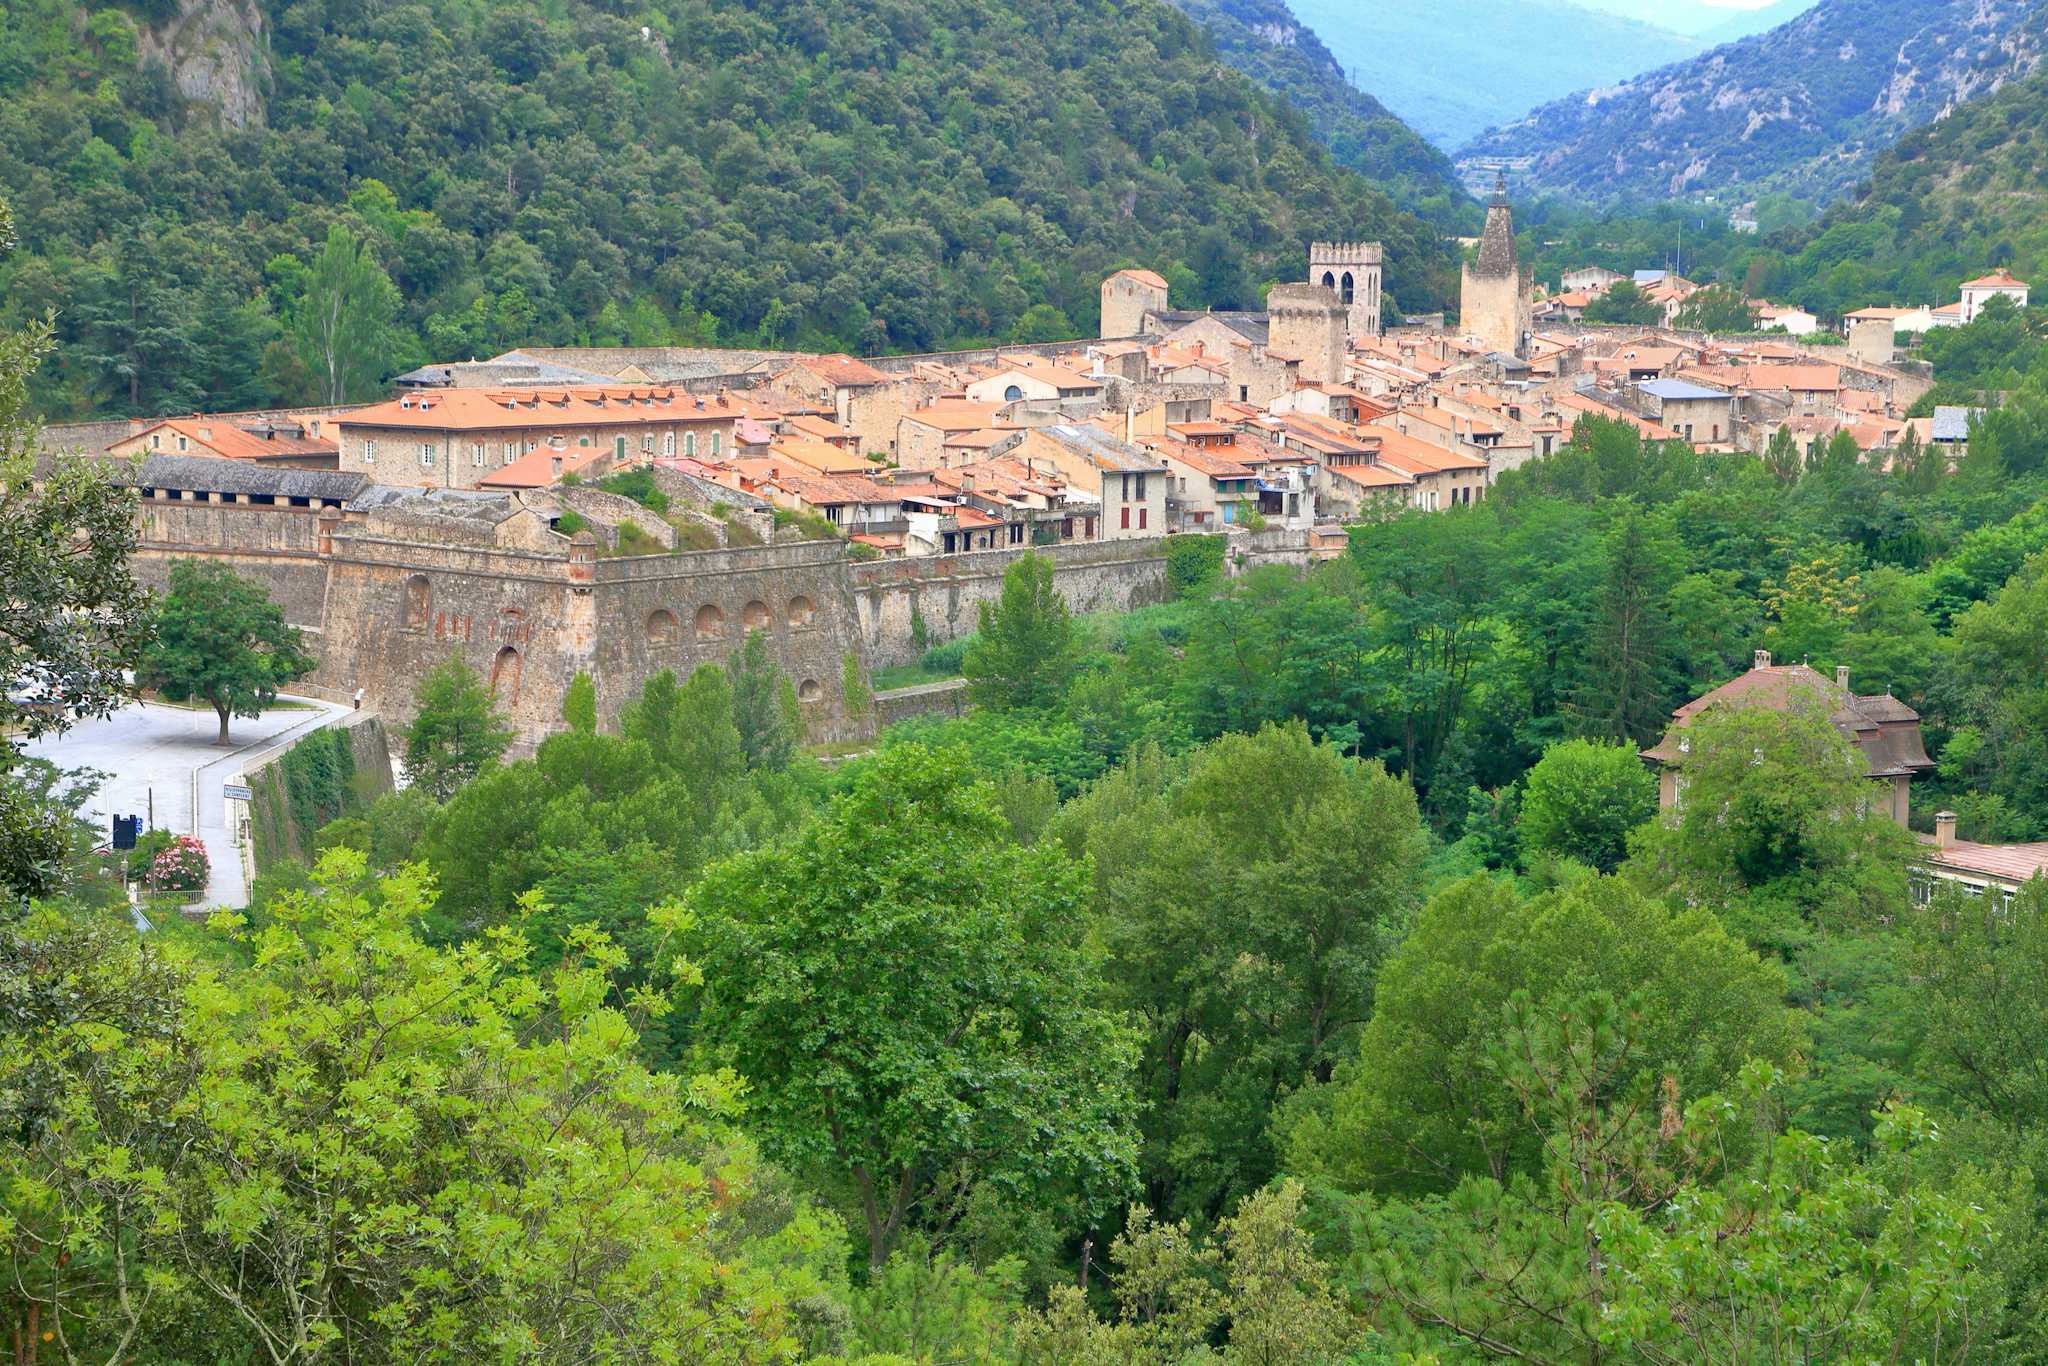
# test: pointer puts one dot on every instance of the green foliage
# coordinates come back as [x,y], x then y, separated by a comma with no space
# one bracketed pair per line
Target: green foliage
[764,706]
[220,640]
[1175,1293]
[1418,1108]
[923,1002]
[456,731]
[342,320]
[637,484]
[1022,655]
[1696,1234]
[579,704]
[1624,304]
[1245,900]
[199,1160]
[1194,564]
[854,693]
[1776,818]
[1716,308]
[312,784]
[1582,799]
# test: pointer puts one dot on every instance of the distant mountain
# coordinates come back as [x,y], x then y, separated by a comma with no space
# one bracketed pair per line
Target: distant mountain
[1729,28]
[1802,108]
[1264,40]
[1714,23]
[1452,68]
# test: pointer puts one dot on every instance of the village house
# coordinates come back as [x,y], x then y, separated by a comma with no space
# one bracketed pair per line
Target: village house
[1442,478]
[1206,488]
[1590,280]
[1795,321]
[1702,415]
[1998,284]
[458,438]
[287,443]
[944,432]
[1014,378]
[1129,482]
[1885,730]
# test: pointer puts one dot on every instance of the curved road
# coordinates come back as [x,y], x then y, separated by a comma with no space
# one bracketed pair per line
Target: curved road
[150,750]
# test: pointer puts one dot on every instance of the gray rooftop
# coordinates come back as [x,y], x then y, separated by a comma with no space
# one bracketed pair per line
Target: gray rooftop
[481,505]
[1952,423]
[1679,389]
[1105,450]
[208,474]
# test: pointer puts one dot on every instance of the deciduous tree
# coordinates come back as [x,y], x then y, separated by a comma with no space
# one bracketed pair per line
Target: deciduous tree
[1023,651]
[221,640]
[922,1001]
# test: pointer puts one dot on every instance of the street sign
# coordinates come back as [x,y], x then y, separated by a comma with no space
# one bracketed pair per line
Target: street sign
[236,792]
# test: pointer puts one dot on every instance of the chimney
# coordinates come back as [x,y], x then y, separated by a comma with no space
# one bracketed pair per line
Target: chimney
[1763,659]
[1944,829]
[1842,677]
[555,466]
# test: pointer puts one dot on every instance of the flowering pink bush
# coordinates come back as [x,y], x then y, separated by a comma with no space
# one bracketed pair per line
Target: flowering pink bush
[181,867]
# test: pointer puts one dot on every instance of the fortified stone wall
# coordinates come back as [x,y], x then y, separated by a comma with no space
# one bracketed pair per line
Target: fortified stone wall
[677,612]
[278,547]
[945,591]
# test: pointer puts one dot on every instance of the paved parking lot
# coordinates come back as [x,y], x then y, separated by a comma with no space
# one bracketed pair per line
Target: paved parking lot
[166,756]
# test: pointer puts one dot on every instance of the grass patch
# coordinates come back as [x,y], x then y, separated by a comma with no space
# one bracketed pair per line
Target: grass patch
[910,676]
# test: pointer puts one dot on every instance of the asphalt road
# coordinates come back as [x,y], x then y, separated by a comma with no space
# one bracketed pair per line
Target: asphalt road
[167,755]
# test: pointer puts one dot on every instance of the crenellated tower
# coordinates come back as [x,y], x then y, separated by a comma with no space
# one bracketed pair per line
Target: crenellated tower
[1351,271]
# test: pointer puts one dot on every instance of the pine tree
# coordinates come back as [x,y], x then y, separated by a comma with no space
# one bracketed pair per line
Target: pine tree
[1024,652]
[456,733]
[764,706]
[1628,673]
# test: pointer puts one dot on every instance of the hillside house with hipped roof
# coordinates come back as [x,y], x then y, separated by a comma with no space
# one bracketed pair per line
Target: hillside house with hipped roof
[1128,481]
[1885,730]
[459,438]
[1999,284]
[300,445]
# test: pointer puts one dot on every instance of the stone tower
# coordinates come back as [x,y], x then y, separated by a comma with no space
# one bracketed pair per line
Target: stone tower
[1127,297]
[1350,270]
[1307,322]
[1493,298]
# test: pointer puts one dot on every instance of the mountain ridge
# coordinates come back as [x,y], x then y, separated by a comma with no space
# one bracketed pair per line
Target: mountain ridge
[1803,108]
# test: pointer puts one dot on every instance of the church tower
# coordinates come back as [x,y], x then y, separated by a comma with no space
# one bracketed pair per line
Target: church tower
[1493,297]
[1351,271]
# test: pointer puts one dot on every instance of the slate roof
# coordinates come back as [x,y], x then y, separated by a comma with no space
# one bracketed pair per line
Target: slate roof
[1105,450]
[210,474]
[1952,423]
[1678,389]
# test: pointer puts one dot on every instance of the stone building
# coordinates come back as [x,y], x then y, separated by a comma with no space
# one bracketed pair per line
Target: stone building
[1351,270]
[1127,297]
[1884,730]
[1307,323]
[461,438]
[1494,291]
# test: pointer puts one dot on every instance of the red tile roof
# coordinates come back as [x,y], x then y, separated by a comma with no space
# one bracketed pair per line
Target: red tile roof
[465,410]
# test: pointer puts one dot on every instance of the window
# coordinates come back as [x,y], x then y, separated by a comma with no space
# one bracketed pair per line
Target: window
[476,454]
[668,443]
[646,443]
[1143,514]
[717,441]
[181,443]
[156,441]
[369,452]
[426,455]
[690,444]
[1141,488]
[1013,393]
[1127,519]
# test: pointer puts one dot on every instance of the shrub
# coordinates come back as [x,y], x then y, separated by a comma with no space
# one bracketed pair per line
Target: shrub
[634,541]
[639,486]
[182,866]
[1194,564]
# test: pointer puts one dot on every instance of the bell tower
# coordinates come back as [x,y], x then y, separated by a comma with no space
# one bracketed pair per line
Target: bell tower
[1351,271]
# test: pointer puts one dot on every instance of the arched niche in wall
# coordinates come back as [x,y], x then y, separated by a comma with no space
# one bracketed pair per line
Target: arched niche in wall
[710,622]
[505,671]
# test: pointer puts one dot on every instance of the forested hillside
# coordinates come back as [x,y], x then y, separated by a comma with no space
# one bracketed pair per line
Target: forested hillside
[840,174]
[1804,107]
[1263,39]
[1950,201]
